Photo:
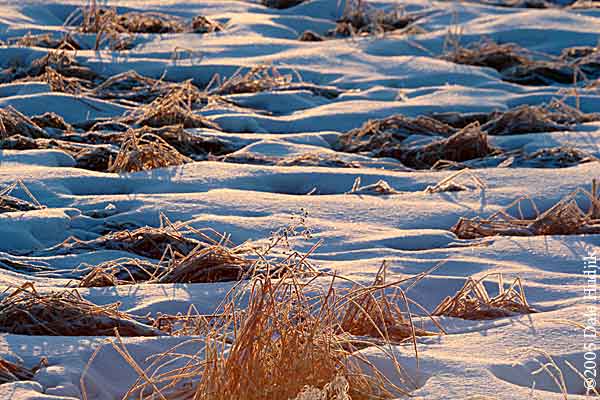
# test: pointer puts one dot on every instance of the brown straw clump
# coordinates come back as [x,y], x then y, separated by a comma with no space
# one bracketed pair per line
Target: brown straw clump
[317,160]
[359,19]
[380,187]
[473,301]
[195,146]
[150,242]
[375,133]
[61,63]
[97,19]
[286,342]
[258,79]
[51,120]
[123,271]
[370,311]
[555,157]
[215,263]
[12,122]
[66,313]
[11,372]
[174,108]
[515,63]
[452,183]
[47,40]
[467,144]
[9,203]
[281,4]
[145,152]
[521,120]
[564,218]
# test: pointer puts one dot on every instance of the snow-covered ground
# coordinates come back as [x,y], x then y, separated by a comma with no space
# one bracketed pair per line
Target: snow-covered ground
[377,76]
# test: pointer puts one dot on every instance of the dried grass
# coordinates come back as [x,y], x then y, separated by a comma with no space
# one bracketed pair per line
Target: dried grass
[215,263]
[359,19]
[51,120]
[515,63]
[157,243]
[380,187]
[47,40]
[116,30]
[174,108]
[11,372]
[473,301]
[564,218]
[123,271]
[257,79]
[197,147]
[556,157]
[310,36]
[12,122]
[453,184]
[375,133]
[61,63]
[131,86]
[96,158]
[316,160]
[285,344]
[66,313]
[145,152]
[281,4]
[467,144]
[372,312]
[9,203]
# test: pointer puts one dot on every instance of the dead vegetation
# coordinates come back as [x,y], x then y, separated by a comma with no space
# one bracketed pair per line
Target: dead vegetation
[145,152]
[10,203]
[174,108]
[24,311]
[12,122]
[97,19]
[171,240]
[48,41]
[215,263]
[391,130]
[380,187]
[467,144]
[556,157]
[555,116]
[372,312]
[123,271]
[51,120]
[459,181]
[281,4]
[473,302]
[54,66]
[360,19]
[316,160]
[293,339]
[257,79]
[11,372]
[564,218]
[521,66]
[264,78]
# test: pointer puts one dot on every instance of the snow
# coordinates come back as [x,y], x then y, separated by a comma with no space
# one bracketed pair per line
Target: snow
[379,76]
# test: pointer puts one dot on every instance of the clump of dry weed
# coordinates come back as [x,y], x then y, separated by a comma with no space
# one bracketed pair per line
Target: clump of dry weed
[473,301]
